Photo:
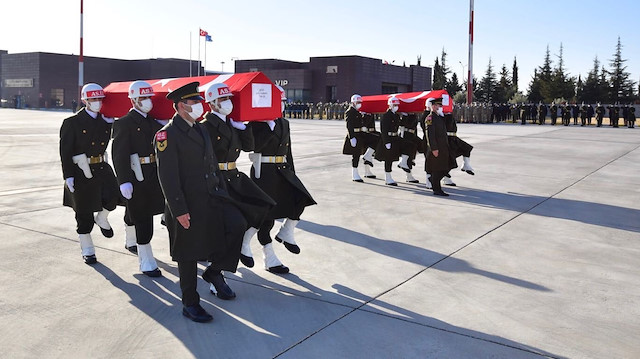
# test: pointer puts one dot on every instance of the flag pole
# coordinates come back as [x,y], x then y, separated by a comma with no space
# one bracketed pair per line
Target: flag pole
[190,66]
[205,57]
[80,58]
[470,74]
[199,30]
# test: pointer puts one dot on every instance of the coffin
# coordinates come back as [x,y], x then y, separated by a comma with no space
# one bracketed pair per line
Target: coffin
[409,101]
[255,97]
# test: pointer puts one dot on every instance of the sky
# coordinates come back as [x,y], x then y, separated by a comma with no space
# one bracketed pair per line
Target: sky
[397,31]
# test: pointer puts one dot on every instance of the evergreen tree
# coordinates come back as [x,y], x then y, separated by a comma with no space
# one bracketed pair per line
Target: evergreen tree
[579,89]
[604,88]
[487,87]
[535,88]
[504,90]
[591,91]
[545,74]
[514,75]
[438,76]
[454,85]
[622,87]
[561,84]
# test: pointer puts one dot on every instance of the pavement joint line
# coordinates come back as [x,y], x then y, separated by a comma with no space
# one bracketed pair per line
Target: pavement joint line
[28,190]
[450,255]
[30,211]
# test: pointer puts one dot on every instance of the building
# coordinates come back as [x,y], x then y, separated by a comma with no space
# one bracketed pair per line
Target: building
[336,78]
[47,80]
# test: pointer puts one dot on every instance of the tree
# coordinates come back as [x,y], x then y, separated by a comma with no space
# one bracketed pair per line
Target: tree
[514,75]
[605,88]
[453,86]
[535,88]
[592,91]
[545,73]
[438,76]
[579,90]
[487,86]
[561,84]
[622,87]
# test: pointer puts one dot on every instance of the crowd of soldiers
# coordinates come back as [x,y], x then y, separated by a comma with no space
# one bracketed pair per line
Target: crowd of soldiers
[183,168]
[523,113]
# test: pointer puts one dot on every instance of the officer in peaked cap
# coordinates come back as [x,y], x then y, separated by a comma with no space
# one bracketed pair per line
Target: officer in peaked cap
[199,209]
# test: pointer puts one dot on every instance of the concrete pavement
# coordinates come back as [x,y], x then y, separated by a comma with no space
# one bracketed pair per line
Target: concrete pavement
[534,256]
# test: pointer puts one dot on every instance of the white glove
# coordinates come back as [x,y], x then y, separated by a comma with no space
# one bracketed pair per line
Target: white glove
[69,183]
[272,124]
[388,146]
[353,142]
[239,125]
[127,190]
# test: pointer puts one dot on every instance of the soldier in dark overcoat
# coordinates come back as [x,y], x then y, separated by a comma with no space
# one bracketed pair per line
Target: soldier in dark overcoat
[359,140]
[438,161]
[90,184]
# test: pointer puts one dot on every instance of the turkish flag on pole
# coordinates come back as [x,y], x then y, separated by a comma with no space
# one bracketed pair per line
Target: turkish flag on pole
[203,33]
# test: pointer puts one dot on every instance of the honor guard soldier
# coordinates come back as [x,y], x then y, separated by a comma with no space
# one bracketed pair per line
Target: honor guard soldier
[438,161]
[589,114]
[90,185]
[228,138]
[391,147]
[566,115]
[599,114]
[554,113]
[202,221]
[625,114]
[274,172]
[359,140]
[414,144]
[631,119]
[542,113]
[583,114]
[134,160]
[370,123]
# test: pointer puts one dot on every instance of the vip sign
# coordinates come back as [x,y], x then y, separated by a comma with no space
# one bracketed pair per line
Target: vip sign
[282,83]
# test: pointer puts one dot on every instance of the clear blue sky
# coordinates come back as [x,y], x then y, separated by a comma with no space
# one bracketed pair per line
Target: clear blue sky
[296,30]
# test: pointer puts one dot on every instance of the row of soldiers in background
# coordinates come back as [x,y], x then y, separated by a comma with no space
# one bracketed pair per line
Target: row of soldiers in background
[398,140]
[329,110]
[528,112]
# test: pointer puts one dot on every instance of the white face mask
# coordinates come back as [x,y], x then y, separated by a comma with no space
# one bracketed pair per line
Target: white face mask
[394,108]
[440,112]
[226,107]
[145,105]
[358,105]
[196,111]
[94,106]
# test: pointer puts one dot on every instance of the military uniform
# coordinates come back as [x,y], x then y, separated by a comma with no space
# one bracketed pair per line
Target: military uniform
[389,124]
[363,130]
[583,115]
[631,119]
[566,115]
[554,114]
[599,115]
[437,139]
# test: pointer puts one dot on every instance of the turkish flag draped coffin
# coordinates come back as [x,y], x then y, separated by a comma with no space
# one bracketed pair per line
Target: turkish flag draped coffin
[409,102]
[255,97]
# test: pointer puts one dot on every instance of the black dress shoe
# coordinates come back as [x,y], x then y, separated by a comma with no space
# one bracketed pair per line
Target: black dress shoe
[217,279]
[469,172]
[440,193]
[404,169]
[247,261]
[371,176]
[196,313]
[392,184]
[293,248]
[281,269]
[414,181]
[451,184]
[368,163]
[90,259]
[132,249]
[106,232]
[153,273]
[358,180]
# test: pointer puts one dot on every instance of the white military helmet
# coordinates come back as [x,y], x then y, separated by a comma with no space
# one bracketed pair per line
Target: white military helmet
[91,90]
[283,94]
[356,98]
[393,101]
[217,90]
[140,89]
[427,104]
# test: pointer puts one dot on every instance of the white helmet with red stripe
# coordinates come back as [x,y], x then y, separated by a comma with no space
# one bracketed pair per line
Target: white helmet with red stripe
[216,91]
[91,90]
[140,89]
[356,98]
[393,101]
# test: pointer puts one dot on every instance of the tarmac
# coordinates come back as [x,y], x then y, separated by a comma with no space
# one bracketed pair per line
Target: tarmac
[537,255]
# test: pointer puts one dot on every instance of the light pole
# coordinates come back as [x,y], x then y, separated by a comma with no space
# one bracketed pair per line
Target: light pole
[222,63]
[234,63]
[463,78]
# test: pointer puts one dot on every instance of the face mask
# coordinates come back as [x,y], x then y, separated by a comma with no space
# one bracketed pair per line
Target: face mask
[94,106]
[145,105]
[394,108]
[358,105]
[196,111]
[226,107]
[440,112]
[282,107]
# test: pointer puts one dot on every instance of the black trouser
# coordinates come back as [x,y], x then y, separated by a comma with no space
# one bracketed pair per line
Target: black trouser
[264,232]
[84,222]
[144,228]
[599,121]
[553,120]
[387,166]
[436,177]
[188,272]
[355,160]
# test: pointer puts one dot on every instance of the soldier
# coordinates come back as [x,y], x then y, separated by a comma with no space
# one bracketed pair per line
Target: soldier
[589,114]
[631,119]
[391,147]
[599,114]
[534,113]
[575,112]
[438,161]
[202,221]
[370,123]
[228,138]
[554,113]
[542,113]
[274,172]
[525,114]
[407,132]
[135,163]
[90,185]
[566,114]
[358,139]
[583,115]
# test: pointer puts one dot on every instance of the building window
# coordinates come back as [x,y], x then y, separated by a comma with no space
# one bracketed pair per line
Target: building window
[253,69]
[332,69]
[57,98]
[387,89]
[332,93]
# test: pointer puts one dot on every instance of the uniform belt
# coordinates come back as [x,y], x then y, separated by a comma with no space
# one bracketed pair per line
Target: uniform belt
[225,166]
[273,159]
[95,159]
[410,130]
[452,134]
[371,129]
[392,134]
[147,160]
[361,129]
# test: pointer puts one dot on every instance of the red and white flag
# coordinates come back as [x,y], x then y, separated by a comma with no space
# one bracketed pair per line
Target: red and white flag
[203,33]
